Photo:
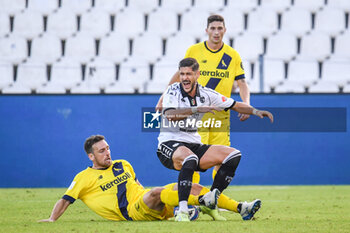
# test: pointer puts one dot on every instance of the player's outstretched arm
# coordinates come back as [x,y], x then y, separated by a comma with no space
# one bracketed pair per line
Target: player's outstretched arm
[245,96]
[174,79]
[59,208]
[247,109]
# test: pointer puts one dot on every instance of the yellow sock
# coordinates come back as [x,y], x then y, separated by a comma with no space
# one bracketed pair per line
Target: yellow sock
[196,177]
[224,201]
[213,174]
[171,197]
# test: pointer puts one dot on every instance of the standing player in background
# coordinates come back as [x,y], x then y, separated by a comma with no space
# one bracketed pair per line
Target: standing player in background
[220,65]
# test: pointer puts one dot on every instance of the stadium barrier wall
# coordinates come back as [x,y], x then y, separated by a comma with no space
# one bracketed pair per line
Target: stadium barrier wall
[42,136]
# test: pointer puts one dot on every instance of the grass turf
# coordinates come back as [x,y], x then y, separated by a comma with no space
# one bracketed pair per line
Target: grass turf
[284,209]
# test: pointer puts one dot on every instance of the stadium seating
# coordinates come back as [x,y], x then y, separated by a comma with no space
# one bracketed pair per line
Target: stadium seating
[28,24]
[163,23]
[62,23]
[4,24]
[6,71]
[244,6]
[178,6]
[296,21]
[65,75]
[29,77]
[46,49]
[134,46]
[13,49]
[263,21]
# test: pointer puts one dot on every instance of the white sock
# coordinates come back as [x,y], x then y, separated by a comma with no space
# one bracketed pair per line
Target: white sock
[183,206]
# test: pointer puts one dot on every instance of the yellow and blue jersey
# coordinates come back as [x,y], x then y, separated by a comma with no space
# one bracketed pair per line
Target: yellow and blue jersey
[109,192]
[218,69]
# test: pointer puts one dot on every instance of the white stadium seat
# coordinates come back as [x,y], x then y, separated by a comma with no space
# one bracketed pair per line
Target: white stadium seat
[4,24]
[324,87]
[114,48]
[263,22]
[234,22]
[46,49]
[162,23]
[28,24]
[96,23]
[342,47]
[162,73]
[144,6]
[249,46]
[30,76]
[276,5]
[63,23]
[274,73]
[336,72]
[340,4]
[282,46]
[6,71]
[315,46]
[176,46]
[251,70]
[133,75]
[346,88]
[209,5]
[77,6]
[178,6]
[147,48]
[132,28]
[80,48]
[245,6]
[12,7]
[330,21]
[109,6]
[296,21]
[64,75]
[194,23]
[100,73]
[13,49]
[289,87]
[44,7]
[311,5]
[303,73]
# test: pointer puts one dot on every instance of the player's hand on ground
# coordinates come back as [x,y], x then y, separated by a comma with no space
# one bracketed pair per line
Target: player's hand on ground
[243,117]
[205,109]
[262,114]
[46,220]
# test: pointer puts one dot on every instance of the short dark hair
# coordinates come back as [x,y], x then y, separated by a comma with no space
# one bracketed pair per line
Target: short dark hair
[189,62]
[90,141]
[214,18]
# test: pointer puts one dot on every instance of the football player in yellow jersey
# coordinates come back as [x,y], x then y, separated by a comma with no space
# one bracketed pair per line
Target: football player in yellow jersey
[111,190]
[220,66]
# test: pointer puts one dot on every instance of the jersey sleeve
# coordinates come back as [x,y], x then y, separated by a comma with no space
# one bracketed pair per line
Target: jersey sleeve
[188,52]
[170,99]
[130,168]
[74,190]
[221,101]
[239,74]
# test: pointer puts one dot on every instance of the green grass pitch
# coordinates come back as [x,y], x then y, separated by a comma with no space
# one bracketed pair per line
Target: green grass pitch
[284,209]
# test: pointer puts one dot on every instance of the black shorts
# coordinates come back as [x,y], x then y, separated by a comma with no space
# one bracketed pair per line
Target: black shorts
[166,150]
